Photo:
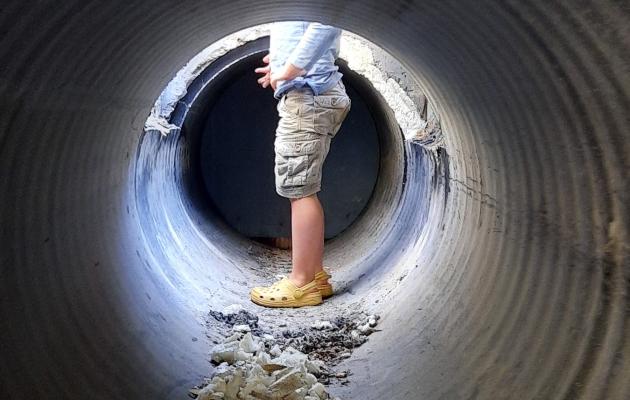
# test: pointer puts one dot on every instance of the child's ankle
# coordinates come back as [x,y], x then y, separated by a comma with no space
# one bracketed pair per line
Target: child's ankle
[300,280]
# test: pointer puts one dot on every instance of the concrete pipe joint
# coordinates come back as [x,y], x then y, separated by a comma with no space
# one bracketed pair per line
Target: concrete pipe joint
[497,255]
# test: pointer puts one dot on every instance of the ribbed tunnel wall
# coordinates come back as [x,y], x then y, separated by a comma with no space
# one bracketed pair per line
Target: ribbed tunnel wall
[520,239]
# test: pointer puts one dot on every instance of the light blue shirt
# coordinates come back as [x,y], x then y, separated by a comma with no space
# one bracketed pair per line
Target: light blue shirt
[307,45]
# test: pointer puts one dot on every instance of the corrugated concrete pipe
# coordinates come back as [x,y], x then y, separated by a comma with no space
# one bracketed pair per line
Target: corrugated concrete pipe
[501,262]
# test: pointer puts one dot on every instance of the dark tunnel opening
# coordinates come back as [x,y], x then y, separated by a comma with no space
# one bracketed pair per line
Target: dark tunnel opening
[225,151]
[231,122]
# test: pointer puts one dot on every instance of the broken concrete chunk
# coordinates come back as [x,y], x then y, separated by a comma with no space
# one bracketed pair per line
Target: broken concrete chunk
[248,344]
[241,355]
[322,325]
[211,396]
[319,364]
[273,367]
[263,358]
[312,367]
[275,351]
[290,357]
[234,385]
[224,352]
[277,375]
[318,390]
[310,379]
[222,370]
[365,329]
[236,337]
[219,384]
[241,328]
[287,384]
[254,390]
[293,396]
[210,392]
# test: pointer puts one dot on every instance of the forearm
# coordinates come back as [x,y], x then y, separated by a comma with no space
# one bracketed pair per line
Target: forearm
[290,71]
[316,40]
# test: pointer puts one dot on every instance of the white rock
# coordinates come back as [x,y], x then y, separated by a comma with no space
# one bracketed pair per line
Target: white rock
[263,358]
[287,384]
[319,364]
[241,328]
[275,351]
[277,375]
[257,388]
[291,357]
[219,384]
[236,337]
[310,380]
[322,325]
[256,381]
[224,352]
[223,370]
[268,337]
[355,335]
[241,355]
[248,344]
[365,329]
[312,367]
[209,393]
[318,390]
[232,309]
[206,392]
[213,391]
[234,385]
[372,321]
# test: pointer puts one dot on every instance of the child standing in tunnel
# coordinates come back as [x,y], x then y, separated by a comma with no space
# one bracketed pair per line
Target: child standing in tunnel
[312,105]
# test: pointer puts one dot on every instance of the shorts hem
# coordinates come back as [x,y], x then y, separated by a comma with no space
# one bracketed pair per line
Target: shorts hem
[298,193]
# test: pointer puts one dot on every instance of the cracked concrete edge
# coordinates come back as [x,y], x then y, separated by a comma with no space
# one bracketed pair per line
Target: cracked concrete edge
[177,88]
[416,118]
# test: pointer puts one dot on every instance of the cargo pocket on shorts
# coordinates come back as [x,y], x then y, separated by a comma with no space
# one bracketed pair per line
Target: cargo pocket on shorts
[330,111]
[294,161]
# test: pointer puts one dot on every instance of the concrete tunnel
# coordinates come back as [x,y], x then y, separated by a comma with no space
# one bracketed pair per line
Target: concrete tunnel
[499,262]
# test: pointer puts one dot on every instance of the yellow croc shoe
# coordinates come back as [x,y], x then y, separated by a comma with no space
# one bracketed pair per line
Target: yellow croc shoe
[285,294]
[324,286]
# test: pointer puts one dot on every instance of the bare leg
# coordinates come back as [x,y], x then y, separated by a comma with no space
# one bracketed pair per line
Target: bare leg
[307,235]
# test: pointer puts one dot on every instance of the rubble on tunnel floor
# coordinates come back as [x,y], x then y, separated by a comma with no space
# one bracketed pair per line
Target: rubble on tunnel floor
[277,362]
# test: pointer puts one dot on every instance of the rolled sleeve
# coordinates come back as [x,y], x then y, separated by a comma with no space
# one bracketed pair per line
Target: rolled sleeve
[316,40]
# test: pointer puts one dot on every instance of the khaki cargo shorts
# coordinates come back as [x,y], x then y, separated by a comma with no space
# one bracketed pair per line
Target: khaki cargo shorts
[307,125]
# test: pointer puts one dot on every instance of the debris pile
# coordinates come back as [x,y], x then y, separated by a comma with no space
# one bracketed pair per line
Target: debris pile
[252,364]
[235,317]
[250,368]
[332,341]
